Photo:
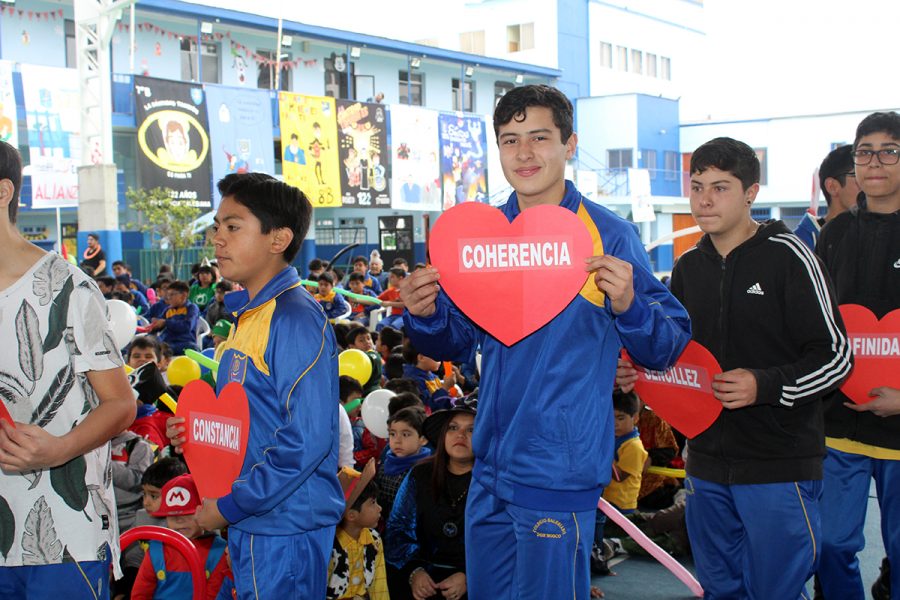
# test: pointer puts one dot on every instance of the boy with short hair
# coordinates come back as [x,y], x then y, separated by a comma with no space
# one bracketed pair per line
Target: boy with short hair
[524,469]
[760,303]
[840,188]
[143,349]
[420,368]
[407,445]
[215,310]
[334,304]
[360,310]
[361,266]
[286,501]
[390,298]
[164,572]
[158,309]
[360,338]
[66,391]
[178,326]
[356,568]
[388,339]
[861,251]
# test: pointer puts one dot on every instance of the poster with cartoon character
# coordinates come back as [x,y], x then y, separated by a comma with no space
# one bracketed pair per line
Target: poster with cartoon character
[8,127]
[173,139]
[416,176]
[53,120]
[363,150]
[240,132]
[463,159]
[309,147]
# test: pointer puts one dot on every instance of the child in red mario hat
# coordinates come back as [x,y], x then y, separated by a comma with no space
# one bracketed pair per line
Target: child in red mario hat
[165,573]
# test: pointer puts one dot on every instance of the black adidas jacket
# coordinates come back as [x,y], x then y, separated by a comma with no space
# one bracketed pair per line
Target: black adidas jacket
[767,308]
[861,252]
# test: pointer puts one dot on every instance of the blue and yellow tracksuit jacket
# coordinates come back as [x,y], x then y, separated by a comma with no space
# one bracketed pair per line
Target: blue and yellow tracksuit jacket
[544,432]
[282,350]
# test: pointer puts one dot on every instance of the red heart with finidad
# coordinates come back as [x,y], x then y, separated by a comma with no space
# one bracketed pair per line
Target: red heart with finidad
[510,278]
[876,351]
[682,395]
[216,434]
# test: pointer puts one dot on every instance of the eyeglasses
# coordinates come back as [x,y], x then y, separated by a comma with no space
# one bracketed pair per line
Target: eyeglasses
[886,156]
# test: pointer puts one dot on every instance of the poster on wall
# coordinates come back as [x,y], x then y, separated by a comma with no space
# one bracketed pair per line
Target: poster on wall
[240,132]
[463,159]
[9,129]
[173,139]
[53,120]
[309,147]
[416,175]
[363,151]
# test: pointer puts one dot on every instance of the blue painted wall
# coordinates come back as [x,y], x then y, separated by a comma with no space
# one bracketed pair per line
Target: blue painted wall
[657,125]
[574,48]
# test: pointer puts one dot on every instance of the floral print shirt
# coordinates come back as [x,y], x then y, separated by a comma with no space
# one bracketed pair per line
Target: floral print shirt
[54,329]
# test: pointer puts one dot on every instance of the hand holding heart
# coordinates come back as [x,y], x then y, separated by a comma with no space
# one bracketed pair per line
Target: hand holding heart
[175,433]
[885,404]
[208,515]
[735,388]
[615,278]
[419,291]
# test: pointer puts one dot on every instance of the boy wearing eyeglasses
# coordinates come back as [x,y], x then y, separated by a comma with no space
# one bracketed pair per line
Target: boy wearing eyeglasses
[861,251]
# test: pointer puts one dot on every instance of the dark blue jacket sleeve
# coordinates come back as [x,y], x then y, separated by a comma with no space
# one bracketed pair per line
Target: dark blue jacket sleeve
[445,335]
[400,543]
[183,325]
[656,327]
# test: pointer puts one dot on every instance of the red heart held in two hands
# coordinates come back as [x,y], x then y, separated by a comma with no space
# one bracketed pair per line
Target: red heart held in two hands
[682,395]
[216,434]
[876,351]
[510,278]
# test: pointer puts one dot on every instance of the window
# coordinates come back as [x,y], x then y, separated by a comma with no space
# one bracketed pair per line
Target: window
[520,37]
[606,55]
[265,79]
[71,47]
[648,158]
[622,58]
[665,68]
[209,59]
[651,65]
[619,158]
[671,166]
[760,213]
[467,93]
[472,42]
[500,89]
[412,88]
[637,61]
[761,154]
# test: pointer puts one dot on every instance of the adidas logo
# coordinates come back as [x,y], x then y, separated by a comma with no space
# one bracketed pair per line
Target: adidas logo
[756,289]
[897,264]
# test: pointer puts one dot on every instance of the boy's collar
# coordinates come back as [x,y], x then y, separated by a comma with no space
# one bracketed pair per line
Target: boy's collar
[570,200]
[239,301]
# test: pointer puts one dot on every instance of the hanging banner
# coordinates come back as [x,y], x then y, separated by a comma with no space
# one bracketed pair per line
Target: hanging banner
[9,129]
[364,155]
[415,180]
[53,119]
[173,139]
[309,147]
[463,159]
[240,132]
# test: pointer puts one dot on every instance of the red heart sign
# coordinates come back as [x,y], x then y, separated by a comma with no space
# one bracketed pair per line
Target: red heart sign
[216,434]
[682,395]
[510,278]
[876,351]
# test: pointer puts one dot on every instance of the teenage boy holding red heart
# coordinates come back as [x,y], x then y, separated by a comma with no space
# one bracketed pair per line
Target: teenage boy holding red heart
[861,251]
[285,504]
[543,437]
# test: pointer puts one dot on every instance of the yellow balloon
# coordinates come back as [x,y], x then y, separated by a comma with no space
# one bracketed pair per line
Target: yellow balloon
[183,370]
[356,364]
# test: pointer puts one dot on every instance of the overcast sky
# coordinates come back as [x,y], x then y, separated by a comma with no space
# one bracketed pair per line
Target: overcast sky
[782,57]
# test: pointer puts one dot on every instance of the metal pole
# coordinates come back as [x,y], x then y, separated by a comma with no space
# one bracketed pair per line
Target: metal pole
[59,239]
[131,42]
[277,58]
[408,80]
[199,52]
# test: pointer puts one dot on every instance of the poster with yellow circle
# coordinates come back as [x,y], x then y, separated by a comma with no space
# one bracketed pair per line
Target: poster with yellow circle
[309,147]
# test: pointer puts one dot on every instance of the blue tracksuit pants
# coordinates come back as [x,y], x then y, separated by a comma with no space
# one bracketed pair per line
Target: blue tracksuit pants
[288,567]
[847,481]
[517,553]
[71,580]
[754,542]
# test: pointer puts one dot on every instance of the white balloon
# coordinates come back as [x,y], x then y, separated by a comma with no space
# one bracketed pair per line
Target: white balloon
[375,412]
[122,321]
